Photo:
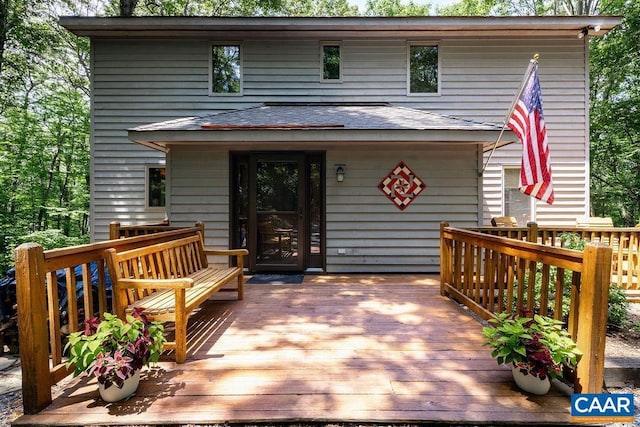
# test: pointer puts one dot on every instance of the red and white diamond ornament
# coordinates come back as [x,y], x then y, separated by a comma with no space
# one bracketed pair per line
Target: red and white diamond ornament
[402,186]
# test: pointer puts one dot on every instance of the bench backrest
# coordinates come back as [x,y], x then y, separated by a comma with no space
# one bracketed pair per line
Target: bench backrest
[166,260]
[504,221]
[594,221]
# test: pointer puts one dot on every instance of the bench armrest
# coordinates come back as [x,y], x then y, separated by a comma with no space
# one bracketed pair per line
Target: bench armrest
[227,252]
[181,283]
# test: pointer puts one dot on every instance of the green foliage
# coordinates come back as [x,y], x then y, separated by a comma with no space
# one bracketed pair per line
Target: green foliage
[52,239]
[468,8]
[44,127]
[114,349]
[618,308]
[538,341]
[572,241]
[615,118]
[237,8]
[396,8]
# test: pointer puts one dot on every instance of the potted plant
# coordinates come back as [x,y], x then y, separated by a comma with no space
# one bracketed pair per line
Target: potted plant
[115,351]
[536,347]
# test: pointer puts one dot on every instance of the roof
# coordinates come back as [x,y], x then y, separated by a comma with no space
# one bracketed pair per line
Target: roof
[230,28]
[309,125]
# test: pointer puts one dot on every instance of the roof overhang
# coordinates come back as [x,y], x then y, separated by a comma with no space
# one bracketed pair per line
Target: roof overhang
[309,126]
[246,28]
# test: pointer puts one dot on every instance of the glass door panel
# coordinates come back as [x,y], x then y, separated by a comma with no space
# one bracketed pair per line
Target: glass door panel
[278,199]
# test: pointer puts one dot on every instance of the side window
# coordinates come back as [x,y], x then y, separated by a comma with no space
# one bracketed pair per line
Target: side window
[156,187]
[423,73]
[225,69]
[515,202]
[331,62]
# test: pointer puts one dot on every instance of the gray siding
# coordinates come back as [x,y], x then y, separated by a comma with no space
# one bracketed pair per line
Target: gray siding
[376,235]
[138,82]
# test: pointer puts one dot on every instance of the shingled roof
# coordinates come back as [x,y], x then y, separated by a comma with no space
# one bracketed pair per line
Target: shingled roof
[309,123]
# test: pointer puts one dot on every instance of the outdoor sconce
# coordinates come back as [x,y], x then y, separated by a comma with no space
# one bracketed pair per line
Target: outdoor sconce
[340,173]
[583,32]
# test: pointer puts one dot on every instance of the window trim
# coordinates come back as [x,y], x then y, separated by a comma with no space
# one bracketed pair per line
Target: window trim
[408,59]
[147,179]
[532,204]
[226,43]
[322,45]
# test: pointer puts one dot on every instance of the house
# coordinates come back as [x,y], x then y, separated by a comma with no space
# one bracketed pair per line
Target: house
[329,144]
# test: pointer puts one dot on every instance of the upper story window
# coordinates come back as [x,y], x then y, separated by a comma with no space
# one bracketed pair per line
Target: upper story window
[423,70]
[226,69]
[331,62]
[514,202]
[156,187]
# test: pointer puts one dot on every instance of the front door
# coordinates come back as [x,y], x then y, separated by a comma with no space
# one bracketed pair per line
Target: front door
[277,210]
[276,200]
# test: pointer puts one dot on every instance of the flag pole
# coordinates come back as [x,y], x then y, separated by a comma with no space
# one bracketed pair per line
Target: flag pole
[527,74]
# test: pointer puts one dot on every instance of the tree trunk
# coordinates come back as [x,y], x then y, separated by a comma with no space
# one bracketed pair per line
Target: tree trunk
[4,28]
[127,7]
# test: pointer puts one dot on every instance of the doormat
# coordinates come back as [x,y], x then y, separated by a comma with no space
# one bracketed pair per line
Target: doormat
[276,279]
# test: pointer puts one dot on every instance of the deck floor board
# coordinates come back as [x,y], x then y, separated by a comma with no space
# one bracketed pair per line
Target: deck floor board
[384,349]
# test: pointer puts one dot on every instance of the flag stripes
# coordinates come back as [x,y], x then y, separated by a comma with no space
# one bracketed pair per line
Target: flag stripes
[527,122]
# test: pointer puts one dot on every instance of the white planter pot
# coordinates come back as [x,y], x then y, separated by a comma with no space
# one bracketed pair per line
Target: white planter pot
[530,383]
[114,394]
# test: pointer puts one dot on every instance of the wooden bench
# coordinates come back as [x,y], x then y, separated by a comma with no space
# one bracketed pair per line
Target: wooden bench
[504,221]
[170,280]
[594,222]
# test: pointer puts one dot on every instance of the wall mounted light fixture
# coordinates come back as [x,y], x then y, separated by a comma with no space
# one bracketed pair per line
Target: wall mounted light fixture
[583,32]
[339,173]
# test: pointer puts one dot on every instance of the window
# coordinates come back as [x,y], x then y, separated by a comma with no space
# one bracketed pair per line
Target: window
[515,202]
[226,69]
[331,62]
[156,187]
[423,69]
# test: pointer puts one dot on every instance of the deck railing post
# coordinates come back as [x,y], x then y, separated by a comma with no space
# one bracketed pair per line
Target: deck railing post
[592,317]
[445,259]
[32,327]
[114,226]
[532,232]
[200,225]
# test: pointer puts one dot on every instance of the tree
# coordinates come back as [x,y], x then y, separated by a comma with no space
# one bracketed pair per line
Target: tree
[44,126]
[468,8]
[615,116]
[396,8]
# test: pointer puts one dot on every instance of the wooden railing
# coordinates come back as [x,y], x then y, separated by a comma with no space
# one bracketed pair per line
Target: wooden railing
[119,231]
[492,274]
[625,243]
[39,317]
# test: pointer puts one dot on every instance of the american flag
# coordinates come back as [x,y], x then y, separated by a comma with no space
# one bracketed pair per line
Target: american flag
[527,121]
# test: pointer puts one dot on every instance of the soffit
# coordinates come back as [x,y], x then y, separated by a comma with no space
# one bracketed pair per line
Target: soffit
[246,28]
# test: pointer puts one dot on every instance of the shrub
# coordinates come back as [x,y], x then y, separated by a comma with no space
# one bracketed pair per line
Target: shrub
[618,309]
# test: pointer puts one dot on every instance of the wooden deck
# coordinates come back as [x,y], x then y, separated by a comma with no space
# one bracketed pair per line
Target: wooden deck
[384,349]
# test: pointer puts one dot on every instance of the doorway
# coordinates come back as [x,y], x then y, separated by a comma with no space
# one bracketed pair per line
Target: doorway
[278,210]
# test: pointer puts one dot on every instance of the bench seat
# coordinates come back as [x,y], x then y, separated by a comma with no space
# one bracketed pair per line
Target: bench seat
[169,280]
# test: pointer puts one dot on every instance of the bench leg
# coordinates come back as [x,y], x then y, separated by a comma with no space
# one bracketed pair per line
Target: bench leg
[181,327]
[240,287]
[181,339]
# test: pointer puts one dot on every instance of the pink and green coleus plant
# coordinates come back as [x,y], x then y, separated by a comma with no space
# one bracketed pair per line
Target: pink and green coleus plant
[113,349]
[535,344]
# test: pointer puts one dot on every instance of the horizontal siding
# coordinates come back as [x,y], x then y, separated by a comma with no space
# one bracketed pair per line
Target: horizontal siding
[199,188]
[143,81]
[375,234]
